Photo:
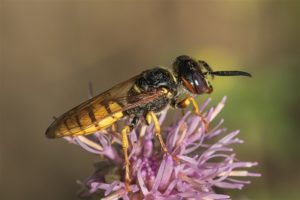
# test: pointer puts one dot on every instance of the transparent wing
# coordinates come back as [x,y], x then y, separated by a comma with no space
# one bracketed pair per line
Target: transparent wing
[100,112]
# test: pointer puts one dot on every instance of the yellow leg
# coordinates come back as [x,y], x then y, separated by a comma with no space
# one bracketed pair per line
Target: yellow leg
[125,145]
[114,130]
[114,127]
[151,116]
[186,102]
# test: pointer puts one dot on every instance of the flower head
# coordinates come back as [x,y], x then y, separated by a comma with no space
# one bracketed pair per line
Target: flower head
[197,161]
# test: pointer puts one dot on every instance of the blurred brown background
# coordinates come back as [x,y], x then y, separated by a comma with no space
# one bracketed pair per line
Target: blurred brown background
[50,50]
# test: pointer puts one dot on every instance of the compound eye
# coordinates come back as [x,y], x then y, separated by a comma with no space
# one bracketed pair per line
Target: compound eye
[200,84]
[189,85]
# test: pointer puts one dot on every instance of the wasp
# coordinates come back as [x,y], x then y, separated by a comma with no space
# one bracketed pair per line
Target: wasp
[141,97]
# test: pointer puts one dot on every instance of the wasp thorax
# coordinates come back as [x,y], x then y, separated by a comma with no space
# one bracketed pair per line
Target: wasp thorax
[155,78]
[188,72]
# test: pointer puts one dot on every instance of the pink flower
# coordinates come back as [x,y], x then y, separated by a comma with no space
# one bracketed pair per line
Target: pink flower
[203,161]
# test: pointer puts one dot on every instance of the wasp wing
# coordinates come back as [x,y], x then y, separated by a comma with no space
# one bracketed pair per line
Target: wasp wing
[101,111]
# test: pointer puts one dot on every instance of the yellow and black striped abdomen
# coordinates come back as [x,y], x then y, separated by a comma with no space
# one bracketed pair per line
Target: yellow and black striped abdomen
[86,120]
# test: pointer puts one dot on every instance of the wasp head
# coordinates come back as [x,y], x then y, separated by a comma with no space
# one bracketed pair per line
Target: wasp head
[189,73]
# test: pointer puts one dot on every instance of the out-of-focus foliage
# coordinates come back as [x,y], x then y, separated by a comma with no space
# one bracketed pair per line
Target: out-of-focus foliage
[50,50]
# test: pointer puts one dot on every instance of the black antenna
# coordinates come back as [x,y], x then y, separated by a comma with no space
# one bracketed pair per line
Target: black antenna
[229,73]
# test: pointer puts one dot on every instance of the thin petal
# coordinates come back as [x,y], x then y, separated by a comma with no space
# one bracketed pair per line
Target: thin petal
[160,174]
[141,182]
[167,173]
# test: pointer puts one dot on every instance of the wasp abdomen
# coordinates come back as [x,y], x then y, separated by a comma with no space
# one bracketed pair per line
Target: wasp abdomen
[92,119]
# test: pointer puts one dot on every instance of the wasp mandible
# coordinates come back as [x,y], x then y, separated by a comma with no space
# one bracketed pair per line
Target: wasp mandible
[142,96]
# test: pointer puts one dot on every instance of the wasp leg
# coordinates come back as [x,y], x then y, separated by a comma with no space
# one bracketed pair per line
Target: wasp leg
[190,100]
[149,117]
[114,127]
[125,145]
[114,130]
[182,112]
